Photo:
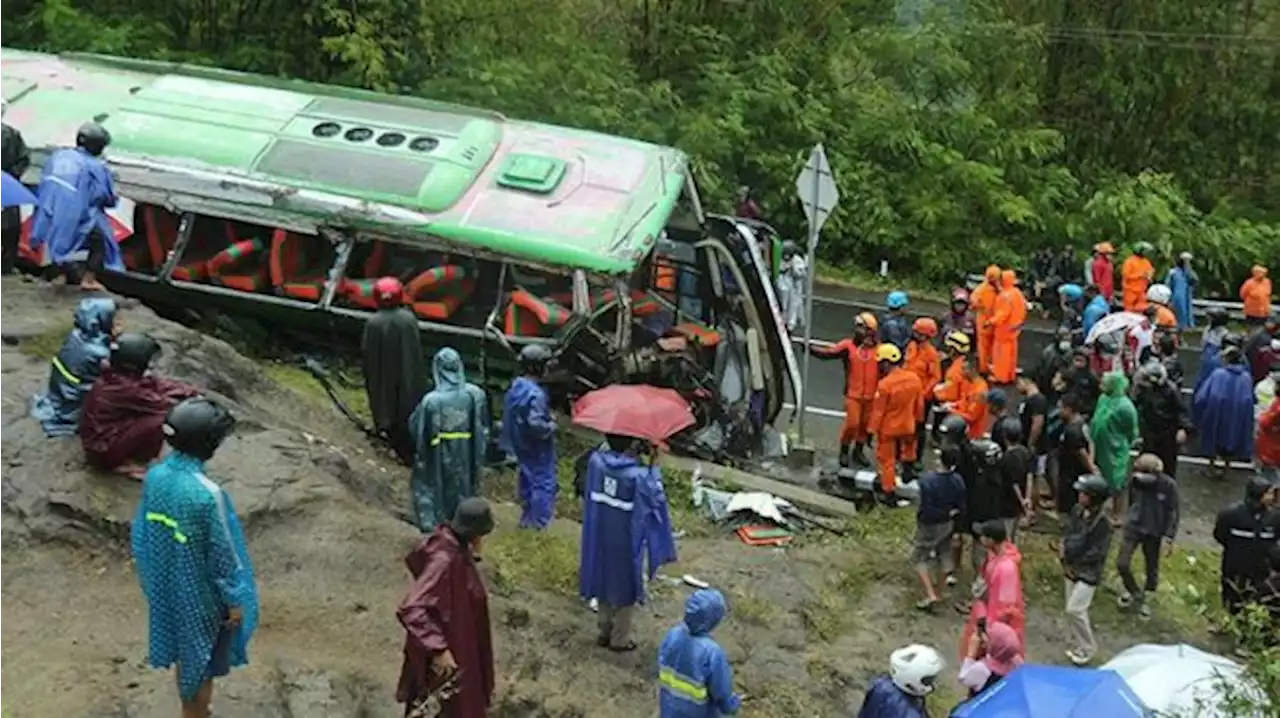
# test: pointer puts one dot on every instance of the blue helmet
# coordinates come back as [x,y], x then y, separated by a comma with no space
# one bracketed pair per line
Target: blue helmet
[1070,292]
[897,299]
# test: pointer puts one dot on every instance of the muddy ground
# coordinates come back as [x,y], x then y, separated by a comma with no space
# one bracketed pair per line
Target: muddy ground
[324,512]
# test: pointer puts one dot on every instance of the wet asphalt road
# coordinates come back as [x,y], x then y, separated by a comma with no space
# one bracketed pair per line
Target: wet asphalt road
[833,312]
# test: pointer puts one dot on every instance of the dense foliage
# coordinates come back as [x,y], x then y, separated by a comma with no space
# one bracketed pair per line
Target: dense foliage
[960,131]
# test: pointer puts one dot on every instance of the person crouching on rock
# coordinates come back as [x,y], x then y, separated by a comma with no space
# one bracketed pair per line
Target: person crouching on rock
[122,427]
[448,649]
[76,366]
[191,559]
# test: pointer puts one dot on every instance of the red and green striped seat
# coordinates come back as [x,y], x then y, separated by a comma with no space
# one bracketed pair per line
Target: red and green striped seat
[529,316]
[699,332]
[298,265]
[643,303]
[434,295]
[239,266]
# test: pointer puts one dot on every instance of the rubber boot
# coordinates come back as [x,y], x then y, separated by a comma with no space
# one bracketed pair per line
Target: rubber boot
[859,459]
[844,456]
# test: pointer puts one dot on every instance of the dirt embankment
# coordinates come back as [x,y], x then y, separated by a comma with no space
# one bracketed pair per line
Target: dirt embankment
[808,627]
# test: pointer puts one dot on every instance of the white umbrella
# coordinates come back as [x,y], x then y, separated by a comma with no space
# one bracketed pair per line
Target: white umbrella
[1118,322]
[1179,680]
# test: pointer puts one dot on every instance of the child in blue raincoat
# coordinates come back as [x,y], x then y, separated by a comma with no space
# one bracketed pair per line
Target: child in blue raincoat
[76,366]
[694,677]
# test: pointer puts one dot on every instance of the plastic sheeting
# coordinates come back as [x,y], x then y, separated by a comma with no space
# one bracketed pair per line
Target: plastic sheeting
[1179,680]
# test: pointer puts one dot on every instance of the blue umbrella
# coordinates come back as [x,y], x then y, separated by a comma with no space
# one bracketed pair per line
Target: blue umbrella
[13,192]
[1056,692]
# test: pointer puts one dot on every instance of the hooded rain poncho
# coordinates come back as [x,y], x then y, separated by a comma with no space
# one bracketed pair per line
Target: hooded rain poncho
[76,367]
[1182,284]
[450,434]
[74,193]
[885,700]
[529,432]
[192,563]
[694,677]
[1114,429]
[1223,411]
[394,376]
[624,519]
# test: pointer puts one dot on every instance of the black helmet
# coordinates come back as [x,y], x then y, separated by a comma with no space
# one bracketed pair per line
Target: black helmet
[197,427]
[987,451]
[997,399]
[953,429]
[93,137]
[1009,428]
[1232,339]
[1255,489]
[473,518]
[790,249]
[534,358]
[133,352]
[1217,316]
[1093,485]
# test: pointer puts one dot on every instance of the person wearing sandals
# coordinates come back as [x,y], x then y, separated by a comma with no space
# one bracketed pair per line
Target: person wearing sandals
[942,499]
[1152,525]
[1086,540]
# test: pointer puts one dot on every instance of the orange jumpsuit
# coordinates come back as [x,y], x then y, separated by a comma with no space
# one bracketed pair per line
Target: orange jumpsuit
[862,373]
[897,408]
[1165,317]
[1135,277]
[1256,294]
[1009,316]
[972,406]
[983,303]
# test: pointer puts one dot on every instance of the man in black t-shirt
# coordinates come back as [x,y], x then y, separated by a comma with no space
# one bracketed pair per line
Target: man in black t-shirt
[1033,413]
[1073,452]
[1016,462]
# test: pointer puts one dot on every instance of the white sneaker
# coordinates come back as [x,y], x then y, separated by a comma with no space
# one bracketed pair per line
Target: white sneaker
[1077,658]
[594,605]
[952,580]
[1124,600]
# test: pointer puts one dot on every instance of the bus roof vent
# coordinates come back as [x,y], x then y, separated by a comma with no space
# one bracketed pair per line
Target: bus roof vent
[326,129]
[532,173]
[338,167]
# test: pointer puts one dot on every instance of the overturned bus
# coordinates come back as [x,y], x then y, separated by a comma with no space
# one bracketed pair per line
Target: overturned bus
[284,200]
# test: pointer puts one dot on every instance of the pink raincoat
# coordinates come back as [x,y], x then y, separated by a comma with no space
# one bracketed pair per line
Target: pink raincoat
[1003,600]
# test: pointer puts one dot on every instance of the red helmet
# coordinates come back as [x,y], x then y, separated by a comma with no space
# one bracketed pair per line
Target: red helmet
[925,326]
[388,292]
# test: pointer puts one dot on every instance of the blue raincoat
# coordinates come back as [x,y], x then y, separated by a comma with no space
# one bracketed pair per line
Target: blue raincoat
[693,674]
[450,435]
[1096,309]
[75,367]
[529,432]
[886,700]
[1223,412]
[190,555]
[1210,359]
[75,191]
[1182,283]
[625,518]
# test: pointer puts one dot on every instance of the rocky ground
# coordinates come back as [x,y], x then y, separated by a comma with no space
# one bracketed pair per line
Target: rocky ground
[324,513]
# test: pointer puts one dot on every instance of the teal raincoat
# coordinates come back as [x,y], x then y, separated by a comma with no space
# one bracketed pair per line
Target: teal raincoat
[450,434]
[1114,429]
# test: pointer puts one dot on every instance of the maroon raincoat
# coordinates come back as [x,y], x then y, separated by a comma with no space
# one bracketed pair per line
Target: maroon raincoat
[447,609]
[124,415]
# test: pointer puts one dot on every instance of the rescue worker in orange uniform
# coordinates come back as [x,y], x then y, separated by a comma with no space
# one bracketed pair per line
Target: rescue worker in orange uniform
[1255,292]
[858,353]
[897,409]
[1006,326]
[983,303]
[965,396]
[1158,310]
[924,361]
[1136,275]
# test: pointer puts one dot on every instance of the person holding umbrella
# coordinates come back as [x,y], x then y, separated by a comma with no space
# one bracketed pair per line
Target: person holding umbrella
[13,194]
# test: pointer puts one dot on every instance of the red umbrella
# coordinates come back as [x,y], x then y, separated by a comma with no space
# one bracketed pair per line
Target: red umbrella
[636,410]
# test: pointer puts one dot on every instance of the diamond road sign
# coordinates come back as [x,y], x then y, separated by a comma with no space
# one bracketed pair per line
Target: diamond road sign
[816,188]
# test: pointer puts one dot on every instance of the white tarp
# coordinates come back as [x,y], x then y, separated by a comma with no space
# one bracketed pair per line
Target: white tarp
[1178,680]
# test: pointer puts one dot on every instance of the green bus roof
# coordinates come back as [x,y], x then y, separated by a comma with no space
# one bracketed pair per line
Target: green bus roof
[546,194]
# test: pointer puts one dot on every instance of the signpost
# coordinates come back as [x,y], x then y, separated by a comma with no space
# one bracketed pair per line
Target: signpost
[816,189]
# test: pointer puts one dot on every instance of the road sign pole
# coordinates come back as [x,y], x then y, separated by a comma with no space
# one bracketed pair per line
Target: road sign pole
[816,189]
[803,404]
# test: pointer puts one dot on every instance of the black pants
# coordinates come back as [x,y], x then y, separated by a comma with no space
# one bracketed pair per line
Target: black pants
[1151,557]
[922,434]
[1165,446]
[1239,590]
[12,235]
[1064,494]
[96,245]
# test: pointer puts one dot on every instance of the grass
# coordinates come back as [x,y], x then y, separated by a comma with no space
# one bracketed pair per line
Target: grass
[542,560]
[750,608]
[301,382]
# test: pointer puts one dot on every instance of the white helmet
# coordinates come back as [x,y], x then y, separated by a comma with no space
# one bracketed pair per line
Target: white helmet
[1159,293]
[915,669]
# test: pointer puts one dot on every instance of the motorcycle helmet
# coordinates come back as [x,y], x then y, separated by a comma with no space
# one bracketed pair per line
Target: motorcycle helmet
[1071,292]
[388,292]
[1093,485]
[534,358]
[897,299]
[915,669]
[952,429]
[889,353]
[925,327]
[1217,317]
[133,353]
[958,342]
[987,451]
[789,249]
[1143,248]
[1159,294]
[867,321]
[1009,428]
[197,427]
[959,296]
[93,137]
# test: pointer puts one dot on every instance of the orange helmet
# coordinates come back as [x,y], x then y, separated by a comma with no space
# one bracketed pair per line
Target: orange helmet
[1104,248]
[868,320]
[925,326]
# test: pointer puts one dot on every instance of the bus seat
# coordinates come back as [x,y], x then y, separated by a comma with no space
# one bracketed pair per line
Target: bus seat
[529,316]
[197,270]
[297,266]
[643,304]
[438,292]
[239,266]
[697,332]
